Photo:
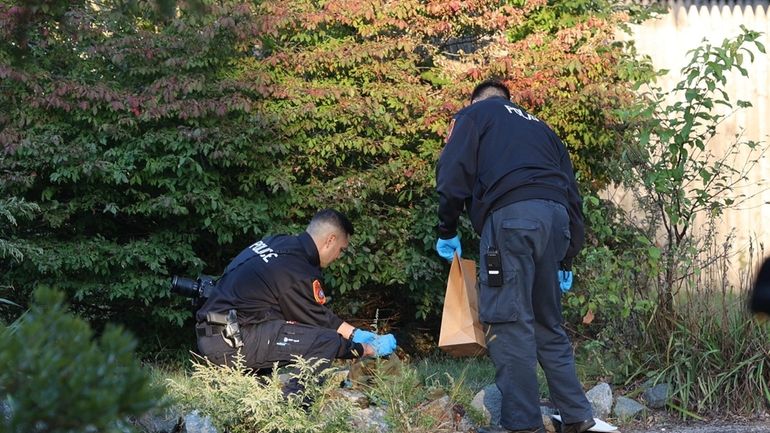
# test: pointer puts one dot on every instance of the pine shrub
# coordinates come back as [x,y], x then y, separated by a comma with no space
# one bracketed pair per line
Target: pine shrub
[57,377]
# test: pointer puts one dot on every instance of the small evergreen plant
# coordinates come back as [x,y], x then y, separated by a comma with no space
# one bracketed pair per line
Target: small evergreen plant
[55,377]
[240,402]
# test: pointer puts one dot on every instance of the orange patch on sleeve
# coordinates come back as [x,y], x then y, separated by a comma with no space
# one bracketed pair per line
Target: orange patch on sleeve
[318,292]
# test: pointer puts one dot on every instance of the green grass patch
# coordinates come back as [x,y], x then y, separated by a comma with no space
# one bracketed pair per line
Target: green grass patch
[717,358]
[712,353]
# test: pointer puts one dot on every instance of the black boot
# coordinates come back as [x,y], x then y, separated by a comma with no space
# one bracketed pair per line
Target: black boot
[578,427]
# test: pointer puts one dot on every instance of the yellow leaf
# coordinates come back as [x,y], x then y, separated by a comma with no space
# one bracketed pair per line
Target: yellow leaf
[588,318]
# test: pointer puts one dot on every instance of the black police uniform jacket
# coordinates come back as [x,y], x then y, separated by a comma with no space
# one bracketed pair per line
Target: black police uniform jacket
[496,154]
[277,278]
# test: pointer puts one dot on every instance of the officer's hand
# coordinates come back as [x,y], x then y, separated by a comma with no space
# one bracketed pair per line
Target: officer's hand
[384,345]
[565,280]
[446,248]
[361,336]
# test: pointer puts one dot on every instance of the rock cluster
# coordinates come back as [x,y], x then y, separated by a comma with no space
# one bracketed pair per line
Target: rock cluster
[449,417]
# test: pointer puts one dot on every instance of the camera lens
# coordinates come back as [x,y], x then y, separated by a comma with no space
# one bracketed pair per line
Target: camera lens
[185,287]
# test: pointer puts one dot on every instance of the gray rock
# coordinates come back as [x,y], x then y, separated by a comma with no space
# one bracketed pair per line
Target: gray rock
[440,409]
[284,378]
[488,402]
[445,413]
[600,398]
[465,425]
[5,410]
[548,411]
[357,398]
[124,426]
[657,396]
[153,422]
[371,419]
[626,408]
[195,423]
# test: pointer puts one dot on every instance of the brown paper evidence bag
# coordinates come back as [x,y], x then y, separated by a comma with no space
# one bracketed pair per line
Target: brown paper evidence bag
[461,332]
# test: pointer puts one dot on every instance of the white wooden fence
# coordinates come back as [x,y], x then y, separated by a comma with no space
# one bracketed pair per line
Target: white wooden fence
[666,40]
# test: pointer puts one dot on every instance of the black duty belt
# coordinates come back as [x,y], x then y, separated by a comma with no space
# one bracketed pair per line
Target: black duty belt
[204,329]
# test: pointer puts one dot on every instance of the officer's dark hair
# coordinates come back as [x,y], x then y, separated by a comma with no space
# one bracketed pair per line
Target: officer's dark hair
[489,88]
[333,217]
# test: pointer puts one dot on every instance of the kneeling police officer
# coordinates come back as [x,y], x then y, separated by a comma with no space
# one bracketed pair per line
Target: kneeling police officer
[270,303]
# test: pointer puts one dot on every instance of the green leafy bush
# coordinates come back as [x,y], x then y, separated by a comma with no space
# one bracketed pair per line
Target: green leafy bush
[10,210]
[692,330]
[56,378]
[612,272]
[674,173]
[161,147]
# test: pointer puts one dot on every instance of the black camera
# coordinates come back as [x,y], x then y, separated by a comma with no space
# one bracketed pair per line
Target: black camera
[199,289]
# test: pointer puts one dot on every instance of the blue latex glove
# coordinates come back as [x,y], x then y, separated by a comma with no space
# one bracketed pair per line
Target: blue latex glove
[446,248]
[361,336]
[384,345]
[565,280]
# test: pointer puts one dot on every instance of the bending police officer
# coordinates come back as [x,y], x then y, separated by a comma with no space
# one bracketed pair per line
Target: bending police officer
[270,303]
[515,177]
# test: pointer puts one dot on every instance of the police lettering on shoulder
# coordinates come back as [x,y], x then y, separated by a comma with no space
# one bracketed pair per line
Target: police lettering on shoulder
[521,113]
[263,250]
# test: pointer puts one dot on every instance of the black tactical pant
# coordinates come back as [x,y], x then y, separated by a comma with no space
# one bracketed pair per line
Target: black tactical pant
[277,341]
[523,316]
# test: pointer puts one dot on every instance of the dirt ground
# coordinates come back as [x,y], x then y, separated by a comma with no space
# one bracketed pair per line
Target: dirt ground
[664,424]
[753,427]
